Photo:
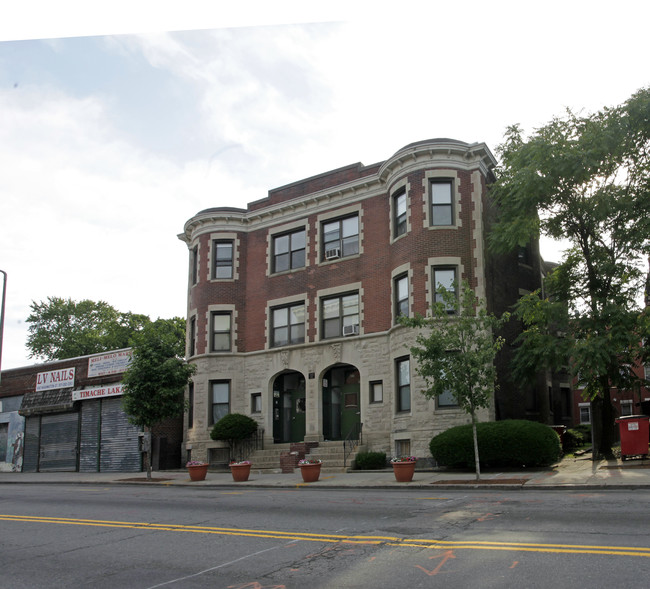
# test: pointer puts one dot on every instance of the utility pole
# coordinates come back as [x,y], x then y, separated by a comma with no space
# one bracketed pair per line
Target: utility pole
[2,319]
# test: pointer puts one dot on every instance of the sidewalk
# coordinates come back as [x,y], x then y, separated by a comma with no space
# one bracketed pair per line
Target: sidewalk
[570,474]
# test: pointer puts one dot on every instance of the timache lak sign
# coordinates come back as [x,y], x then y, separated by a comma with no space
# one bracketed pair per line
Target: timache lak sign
[113,390]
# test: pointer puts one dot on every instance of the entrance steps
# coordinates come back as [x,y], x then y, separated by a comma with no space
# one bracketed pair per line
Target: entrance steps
[282,457]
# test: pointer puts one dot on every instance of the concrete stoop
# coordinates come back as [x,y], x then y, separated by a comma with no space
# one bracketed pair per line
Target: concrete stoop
[284,457]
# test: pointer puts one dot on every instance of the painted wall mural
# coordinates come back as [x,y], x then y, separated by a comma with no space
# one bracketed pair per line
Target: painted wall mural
[12,441]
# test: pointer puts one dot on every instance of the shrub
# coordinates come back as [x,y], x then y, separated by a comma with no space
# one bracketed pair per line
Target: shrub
[576,437]
[233,427]
[370,460]
[501,443]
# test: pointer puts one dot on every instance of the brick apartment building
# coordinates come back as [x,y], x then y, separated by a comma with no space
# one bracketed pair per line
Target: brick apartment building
[293,302]
[633,401]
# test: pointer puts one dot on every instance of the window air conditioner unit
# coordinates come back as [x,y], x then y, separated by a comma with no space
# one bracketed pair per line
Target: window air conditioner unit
[333,253]
[350,330]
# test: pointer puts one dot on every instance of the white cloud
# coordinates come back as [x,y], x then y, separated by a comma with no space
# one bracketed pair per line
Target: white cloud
[84,215]
[99,179]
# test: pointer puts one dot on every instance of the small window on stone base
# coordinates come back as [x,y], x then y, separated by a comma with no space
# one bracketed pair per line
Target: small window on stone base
[218,456]
[256,403]
[402,448]
[377,392]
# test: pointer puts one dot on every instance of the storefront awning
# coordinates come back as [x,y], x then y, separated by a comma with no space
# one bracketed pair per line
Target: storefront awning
[53,401]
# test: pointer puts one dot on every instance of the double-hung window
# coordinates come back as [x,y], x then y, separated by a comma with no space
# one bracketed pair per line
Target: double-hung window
[403,370]
[190,406]
[399,213]
[340,315]
[219,400]
[288,325]
[221,331]
[444,276]
[401,296]
[223,259]
[341,238]
[446,399]
[192,335]
[289,251]
[442,204]
[195,264]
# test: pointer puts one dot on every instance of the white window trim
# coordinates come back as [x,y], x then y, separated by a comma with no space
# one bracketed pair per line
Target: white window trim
[446,174]
[582,405]
[235,255]
[195,260]
[334,292]
[284,302]
[233,327]
[395,189]
[441,261]
[283,230]
[331,216]
[404,269]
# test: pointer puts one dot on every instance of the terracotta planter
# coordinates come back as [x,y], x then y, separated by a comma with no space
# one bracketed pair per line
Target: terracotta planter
[240,472]
[310,472]
[404,471]
[197,473]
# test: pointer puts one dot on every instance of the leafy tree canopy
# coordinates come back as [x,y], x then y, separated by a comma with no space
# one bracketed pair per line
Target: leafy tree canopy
[63,328]
[456,350]
[156,378]
[584,179]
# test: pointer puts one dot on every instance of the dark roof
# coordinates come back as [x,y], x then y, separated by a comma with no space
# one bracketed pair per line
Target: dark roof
[53,401]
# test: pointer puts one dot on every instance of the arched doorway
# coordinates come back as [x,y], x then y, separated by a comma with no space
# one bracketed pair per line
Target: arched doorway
[341,401]
[289,408]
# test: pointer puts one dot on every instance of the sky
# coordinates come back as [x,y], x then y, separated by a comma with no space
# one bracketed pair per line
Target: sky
[120,121]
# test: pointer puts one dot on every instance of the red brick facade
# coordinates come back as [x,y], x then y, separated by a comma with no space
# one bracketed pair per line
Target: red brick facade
[252,363]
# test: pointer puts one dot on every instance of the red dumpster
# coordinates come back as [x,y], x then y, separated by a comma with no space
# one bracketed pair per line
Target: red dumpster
[634,435]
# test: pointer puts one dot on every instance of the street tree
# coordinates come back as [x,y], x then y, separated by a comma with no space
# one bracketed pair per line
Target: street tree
[584,179]
[455,352]
[63,328]
[156,377]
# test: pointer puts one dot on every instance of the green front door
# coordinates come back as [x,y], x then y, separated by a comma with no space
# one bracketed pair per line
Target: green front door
[341,409]
[289,408]
[298,414]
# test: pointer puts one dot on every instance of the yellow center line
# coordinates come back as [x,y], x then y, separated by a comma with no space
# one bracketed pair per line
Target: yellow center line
[343,539]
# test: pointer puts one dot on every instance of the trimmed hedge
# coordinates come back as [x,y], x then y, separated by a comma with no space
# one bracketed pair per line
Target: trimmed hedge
[234,426]
[500,443]
[370,460]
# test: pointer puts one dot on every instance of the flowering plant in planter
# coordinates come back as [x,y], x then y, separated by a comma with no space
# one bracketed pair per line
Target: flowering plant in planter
[196,463]
[239,462]
[403,459]
[310,461]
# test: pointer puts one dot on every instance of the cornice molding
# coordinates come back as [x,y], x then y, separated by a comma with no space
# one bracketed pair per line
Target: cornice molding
[444,153]
[219,219]
[447,153]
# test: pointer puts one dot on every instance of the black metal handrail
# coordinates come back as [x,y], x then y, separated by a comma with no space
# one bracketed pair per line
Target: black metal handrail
[246,447]
[351,441]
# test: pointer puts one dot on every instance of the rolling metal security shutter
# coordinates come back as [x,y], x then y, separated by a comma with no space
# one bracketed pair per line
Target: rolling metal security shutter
[89,437]
[119,439]
[59,440]
[30,453]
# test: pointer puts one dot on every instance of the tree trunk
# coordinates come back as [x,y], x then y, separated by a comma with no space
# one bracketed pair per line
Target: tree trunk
[476,458]
[147,451]
[602,423]
[147,464]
